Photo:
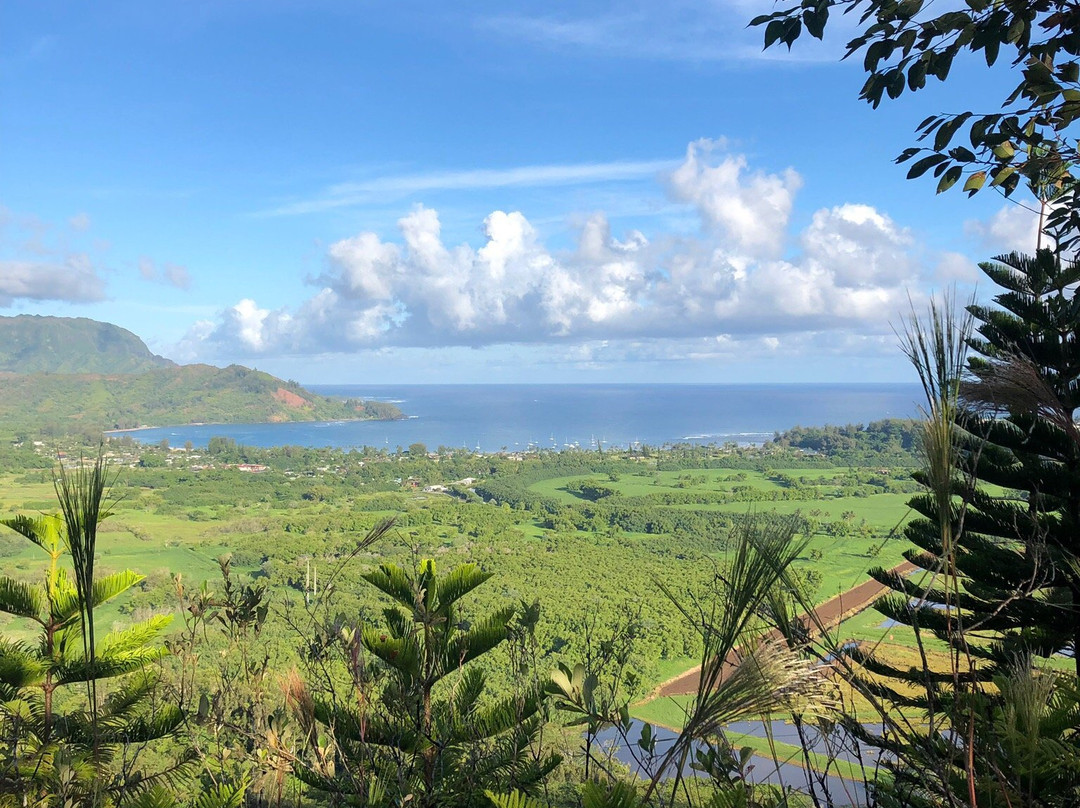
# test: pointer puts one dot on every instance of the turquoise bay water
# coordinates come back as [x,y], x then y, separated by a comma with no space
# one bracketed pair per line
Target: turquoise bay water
[515,417]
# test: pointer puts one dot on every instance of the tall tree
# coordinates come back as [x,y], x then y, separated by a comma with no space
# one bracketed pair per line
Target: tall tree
[1013,549]
[57,748]
[425,730]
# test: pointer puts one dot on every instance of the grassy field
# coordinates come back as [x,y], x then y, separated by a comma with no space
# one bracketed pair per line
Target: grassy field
[156,535]
[841,561]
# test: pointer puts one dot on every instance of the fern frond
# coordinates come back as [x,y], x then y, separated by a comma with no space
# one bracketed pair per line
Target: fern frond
[621,795]
[480,638]
[156,797]
[392,580]
[223,796]
[21,599]
[513,799]
[45,531]
[458,583]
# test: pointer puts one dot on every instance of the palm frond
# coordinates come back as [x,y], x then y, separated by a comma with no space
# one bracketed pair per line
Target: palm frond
[772,676]
[163,721]
[156,797]
[83,505]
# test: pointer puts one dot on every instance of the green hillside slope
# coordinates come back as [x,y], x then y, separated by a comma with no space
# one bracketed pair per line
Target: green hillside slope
[36,344]
[64,403]
[63,375]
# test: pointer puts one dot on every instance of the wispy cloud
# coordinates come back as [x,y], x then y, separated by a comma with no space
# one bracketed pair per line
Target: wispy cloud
[678,32]
[350,194]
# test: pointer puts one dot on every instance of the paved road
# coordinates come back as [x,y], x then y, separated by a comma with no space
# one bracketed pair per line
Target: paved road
[829,614]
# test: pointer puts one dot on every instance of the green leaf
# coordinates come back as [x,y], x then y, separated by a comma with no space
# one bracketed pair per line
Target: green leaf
[962,154]
[21,599]
[948,129]
[815,19]
[920,167]
[975,182]
[917,75]
[949,179]
[773,31]
[513,799]
[895,83]
[1001,174]
[44,531]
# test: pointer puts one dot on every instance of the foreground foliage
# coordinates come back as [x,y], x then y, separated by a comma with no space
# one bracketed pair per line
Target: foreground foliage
[66,740]
[415,723]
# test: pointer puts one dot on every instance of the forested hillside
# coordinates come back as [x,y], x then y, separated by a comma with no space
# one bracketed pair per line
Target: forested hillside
[63,375]
[35,344]
[61,404]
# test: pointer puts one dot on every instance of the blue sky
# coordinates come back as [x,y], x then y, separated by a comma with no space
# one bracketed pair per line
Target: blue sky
[390,192]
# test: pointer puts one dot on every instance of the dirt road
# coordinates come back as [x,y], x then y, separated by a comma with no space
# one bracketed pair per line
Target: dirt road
[829,614]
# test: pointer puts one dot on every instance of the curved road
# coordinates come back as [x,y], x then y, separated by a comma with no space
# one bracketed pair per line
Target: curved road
[829,614]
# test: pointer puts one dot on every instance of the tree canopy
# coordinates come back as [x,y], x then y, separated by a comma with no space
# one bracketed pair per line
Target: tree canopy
[904,42]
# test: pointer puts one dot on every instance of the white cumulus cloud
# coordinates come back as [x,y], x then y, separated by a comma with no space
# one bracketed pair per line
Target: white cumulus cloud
[749,210]
[1014,228]
[745,276]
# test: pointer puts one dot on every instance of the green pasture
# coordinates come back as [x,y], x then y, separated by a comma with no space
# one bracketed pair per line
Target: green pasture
[669,711]
[816,474]
[657,482]
[882,511]
[160,534]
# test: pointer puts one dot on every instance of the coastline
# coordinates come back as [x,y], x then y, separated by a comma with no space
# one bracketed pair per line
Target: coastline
[143,427]
[492,419]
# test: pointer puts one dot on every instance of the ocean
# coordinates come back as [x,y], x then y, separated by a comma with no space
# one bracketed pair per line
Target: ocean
[490,418]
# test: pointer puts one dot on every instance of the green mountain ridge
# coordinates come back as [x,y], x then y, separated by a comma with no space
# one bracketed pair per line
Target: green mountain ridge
[31,343]
[121,384]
